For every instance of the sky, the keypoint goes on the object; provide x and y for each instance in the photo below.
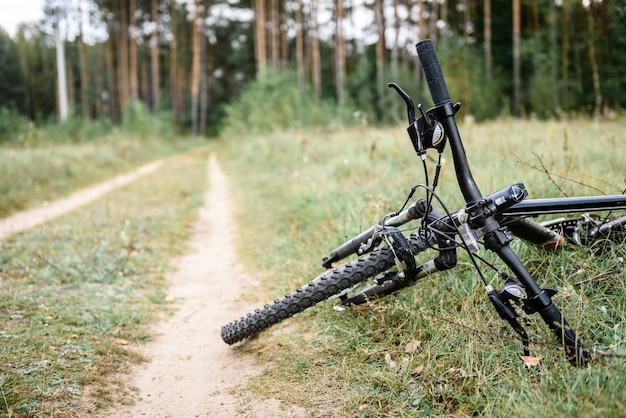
(14, 12)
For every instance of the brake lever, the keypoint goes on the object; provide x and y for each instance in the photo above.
(410, 108)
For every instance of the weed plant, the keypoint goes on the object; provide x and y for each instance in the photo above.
(438, 348)
(80, 291)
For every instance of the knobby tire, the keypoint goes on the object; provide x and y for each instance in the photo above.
(326, 285)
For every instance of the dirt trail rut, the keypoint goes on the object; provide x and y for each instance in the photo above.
(191, 372)
(24, 220)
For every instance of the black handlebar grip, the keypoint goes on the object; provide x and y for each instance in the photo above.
(432, 71)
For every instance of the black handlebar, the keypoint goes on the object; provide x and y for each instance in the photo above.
(432, 71)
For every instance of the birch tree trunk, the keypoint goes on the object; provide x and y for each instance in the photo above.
(61, 77)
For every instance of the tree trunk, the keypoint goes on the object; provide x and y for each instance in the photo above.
(195, 69)
(316, 67)
(259, 44)
(565, 46)
(517, 80)
(99, 84)
(84, 77)
(113, 85)
(434, 18)
(204, 85)
(421, 35)
(595, 72)
(154, 56)
(394, 56)
(340, 51)
(174, 69)
(132, 42)
(61, 77)
(300, 47)
(122, 55)
(554, 65)
(487, 35)
(274, 34)
(441, 12)
(380, 56)
(284, 38)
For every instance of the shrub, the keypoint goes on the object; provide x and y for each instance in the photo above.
(273, 101)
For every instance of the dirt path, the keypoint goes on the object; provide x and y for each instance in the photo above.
(24, 220)
(191, 372)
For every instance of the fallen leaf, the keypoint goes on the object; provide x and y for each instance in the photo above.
(531, 361)
(417, 371)
(412, 346)
(457, 372)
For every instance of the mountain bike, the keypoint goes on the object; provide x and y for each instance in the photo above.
(388, 251)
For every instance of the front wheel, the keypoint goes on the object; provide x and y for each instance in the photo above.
(328, 284)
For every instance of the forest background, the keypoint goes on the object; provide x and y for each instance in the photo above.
(309, 61)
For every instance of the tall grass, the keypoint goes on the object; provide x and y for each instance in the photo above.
(302, 192)
(47, 162)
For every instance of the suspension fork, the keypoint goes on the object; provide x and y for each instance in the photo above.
(538, 300)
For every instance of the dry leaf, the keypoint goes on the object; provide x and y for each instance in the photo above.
(417, 371)
(121, 341)
(457, 372)
(531, 361)
(412, 346)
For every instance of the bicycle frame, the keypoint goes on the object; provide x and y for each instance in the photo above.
(551, 206)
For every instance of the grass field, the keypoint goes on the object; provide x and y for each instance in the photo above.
(32, 175)
(438, 348)
(77, 290)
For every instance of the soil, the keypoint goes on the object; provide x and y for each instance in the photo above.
(189, 371)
